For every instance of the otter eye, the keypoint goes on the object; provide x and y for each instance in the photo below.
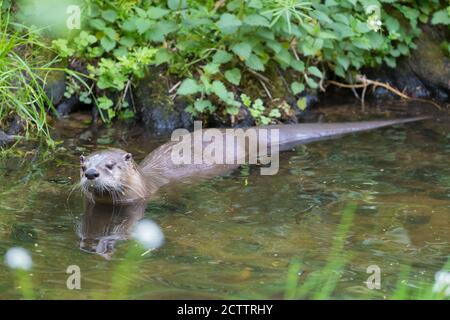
(110, 165)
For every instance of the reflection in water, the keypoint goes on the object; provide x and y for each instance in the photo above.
(104, 224)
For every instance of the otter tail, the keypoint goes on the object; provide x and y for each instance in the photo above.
(290, 135)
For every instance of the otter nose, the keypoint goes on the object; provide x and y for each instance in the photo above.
(91, 174)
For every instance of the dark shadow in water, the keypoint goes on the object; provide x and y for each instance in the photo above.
(104, 224)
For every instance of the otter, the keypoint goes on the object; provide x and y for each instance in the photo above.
(112, 176)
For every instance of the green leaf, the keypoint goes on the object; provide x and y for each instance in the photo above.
(390, 62)
(311, 83)
(162, 56)
(297, 87)
(242, 49)
(221, 57)
(156, 13)
(233, 76)
(298, 65)
(142, 25)
(109, 15)
(110, 32)
(107, 43)
(211, 68)
(315, 71)
(104, 103)
(177, 4)
(228, 23)
(98, 24)
(256, 20)
(274, 113)
(129, 25)
(188, 87)
(127, 42)
(202, 105)
(344, 61)
(441, 16)
(219, 89)
(253, 62)
(301, 103)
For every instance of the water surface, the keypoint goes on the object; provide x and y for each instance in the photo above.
(235, 236)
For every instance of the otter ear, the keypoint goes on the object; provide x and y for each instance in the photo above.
(127, 157)
(82, 158)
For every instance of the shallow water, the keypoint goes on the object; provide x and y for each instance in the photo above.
(235, 236)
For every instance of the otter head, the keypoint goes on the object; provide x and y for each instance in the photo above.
(111, 176)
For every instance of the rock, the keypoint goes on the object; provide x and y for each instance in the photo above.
(67, 106)
(55, 86)
(424, 74)
(159, 113)
(429, 62)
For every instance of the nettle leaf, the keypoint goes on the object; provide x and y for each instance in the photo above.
(211, 68)
(129, 25)
(120, 52)
(162, 56)
(362, 43)
(311, 46)
(177, 4)
(390, 62)
(127, 42)
(344, 61)
(274, 45)
(107, 43)
(156, 13)
(392, 24)
(202, 105)
(322, 17)
(256, 4)
(243, 50)
(228, 23)
(110, 32)
(233, 76)
(109, 15)
(298, 65)
(311, 83)
(297, 87)
(256, 20)
(441, 16)
(221, 57)
(219, 89)
(188, 87)
(253, 62)
(284, 57)
(142, 25)
(98, 24)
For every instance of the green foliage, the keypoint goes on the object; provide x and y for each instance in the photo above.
(212, 45)
(22, 81)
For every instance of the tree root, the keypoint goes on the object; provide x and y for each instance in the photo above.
(364, 83)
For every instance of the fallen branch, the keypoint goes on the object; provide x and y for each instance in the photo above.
(364, 83)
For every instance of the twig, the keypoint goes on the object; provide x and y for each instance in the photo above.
(260, 76)
(265, 88)
(367, 82)
(174, 87)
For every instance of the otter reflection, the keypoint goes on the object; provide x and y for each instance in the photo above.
(103, 224)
